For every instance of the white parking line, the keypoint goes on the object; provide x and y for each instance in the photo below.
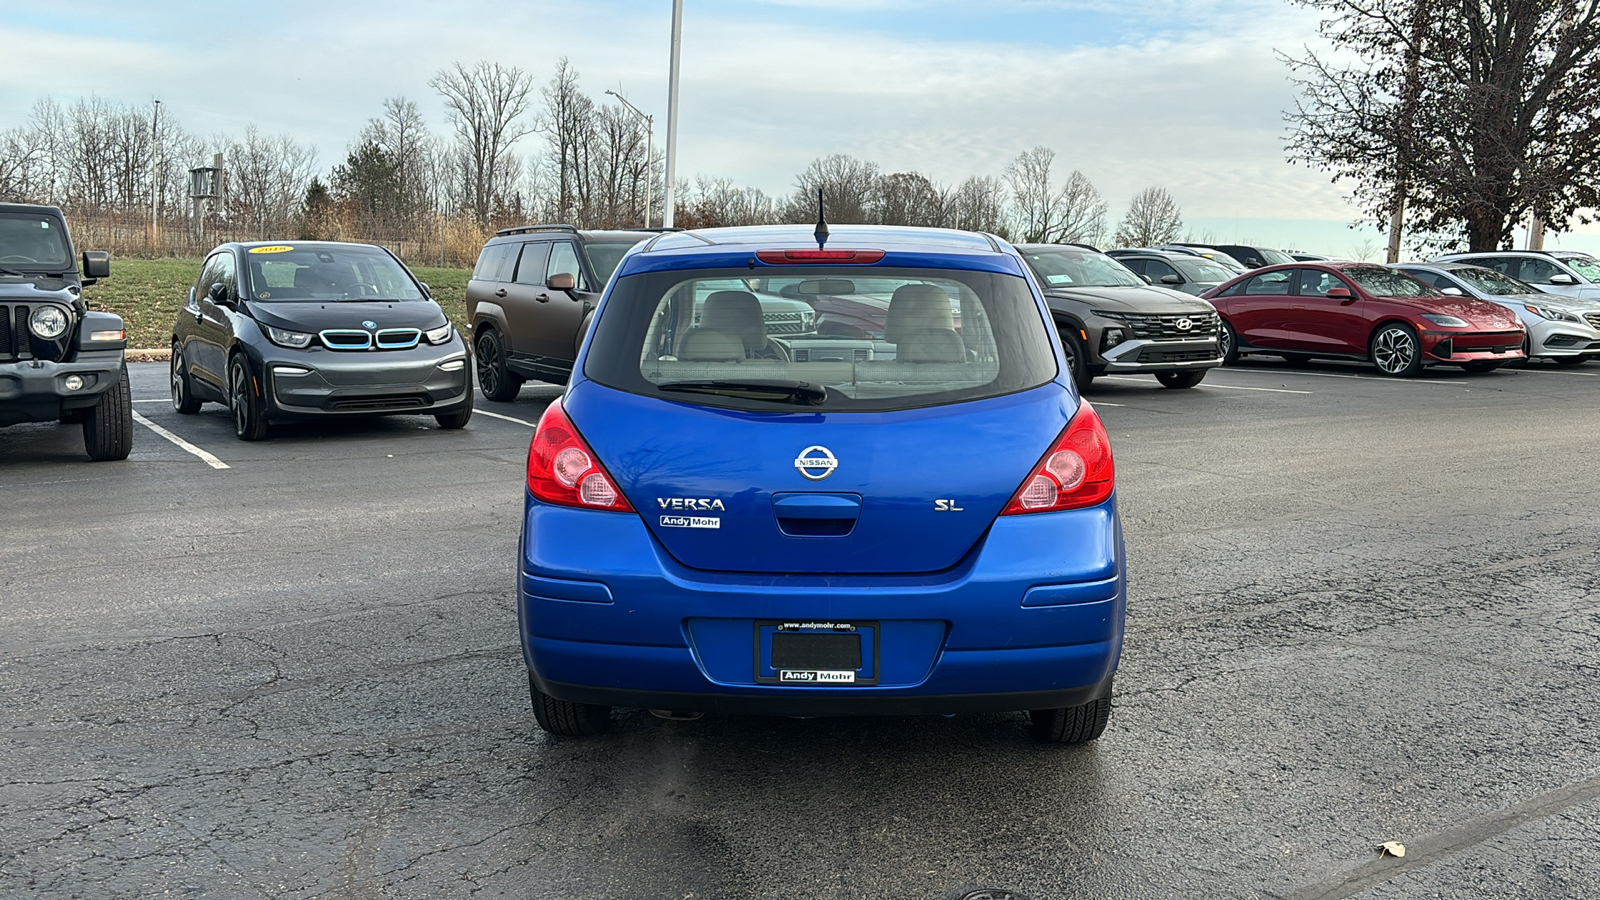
(1537, 372)
(209, 460)
(1226, 387)
(1240, 387)
(485, 412)
(1279, 373)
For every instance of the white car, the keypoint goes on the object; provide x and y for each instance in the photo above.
(1562, 329)
(1570, 273)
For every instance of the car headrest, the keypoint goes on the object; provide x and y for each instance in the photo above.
(917, 308)
(738, 312)
(708, 345)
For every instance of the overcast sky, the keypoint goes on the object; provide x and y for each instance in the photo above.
(1185, 94)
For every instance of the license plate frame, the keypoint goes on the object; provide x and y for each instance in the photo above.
(824, 642)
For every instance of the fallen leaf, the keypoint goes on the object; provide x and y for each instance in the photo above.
(1391, 848)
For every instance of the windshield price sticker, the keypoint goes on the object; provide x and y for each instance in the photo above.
(274, 249)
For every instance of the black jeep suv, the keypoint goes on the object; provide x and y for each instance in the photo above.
(1112, 322)
(530, 298)
(58, 360)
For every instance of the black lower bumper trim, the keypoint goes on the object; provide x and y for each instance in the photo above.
(790, 702)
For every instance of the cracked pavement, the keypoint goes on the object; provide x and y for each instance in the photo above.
(1366, 613)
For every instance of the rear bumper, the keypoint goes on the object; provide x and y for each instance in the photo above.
(607, 616)
(35, 390)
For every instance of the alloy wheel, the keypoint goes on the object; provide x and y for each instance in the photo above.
(488, 364)
(1394, 351)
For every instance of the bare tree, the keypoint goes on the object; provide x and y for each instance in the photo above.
(1074, 213)
(485, 104)
(978, 204)
(567, 123)
(909, 198)
(716, 202)
(1471, 112)
(267, 180)
(848, 185)
(1153, 218)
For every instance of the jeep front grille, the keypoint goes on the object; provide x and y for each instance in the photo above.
(18, 342)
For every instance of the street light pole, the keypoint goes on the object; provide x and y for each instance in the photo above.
(649, 148)
(672, 112)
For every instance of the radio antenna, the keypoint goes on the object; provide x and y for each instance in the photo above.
(822, 222)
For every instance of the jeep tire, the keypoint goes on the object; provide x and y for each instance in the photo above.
(108, 426)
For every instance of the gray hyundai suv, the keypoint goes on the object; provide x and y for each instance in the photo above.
(1112, 322)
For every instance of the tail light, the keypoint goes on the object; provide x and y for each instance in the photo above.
(839, 257)
(1077, 472)
(564, 471)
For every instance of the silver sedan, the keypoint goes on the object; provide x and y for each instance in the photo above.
(1565, 330)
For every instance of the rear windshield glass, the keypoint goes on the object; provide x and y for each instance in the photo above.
(1275, 258)
(1064, 268)
(1381, 282)
(821, 339)
(350, 272)
(603, 259)
(33, 242)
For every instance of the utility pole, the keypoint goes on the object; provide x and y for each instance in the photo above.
(649, 148)
(1408, 112)
(155, 153)
(672, 111)
(1536, 232)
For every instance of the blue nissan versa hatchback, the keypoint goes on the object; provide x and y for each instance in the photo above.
(914, 521)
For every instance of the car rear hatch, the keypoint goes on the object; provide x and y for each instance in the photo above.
(746, 451)
(906, 491)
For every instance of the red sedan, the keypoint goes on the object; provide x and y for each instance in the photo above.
(1362, 311)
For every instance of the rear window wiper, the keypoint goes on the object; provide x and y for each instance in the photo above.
(802, 392)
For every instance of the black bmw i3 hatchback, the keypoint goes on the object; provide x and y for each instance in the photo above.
(303, 329)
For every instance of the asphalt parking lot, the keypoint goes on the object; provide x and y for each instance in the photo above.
(1362, 609)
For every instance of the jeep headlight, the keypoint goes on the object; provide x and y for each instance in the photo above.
(440, 335)
(48, 322)
(283, 337)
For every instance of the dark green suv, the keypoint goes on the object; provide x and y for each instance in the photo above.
(59, 362)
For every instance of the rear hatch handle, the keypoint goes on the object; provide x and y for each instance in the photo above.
(805, 514)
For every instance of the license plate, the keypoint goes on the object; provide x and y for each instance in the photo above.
(820, 653)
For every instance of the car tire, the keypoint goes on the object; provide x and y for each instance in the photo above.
(249, 419)
(1228, 339)
(1181, 380)
(565, 718)
(1077, 361)
(497, 382)
(1395, 351)
(1569, 360)
(1074, 724)
(1479, 367)
(108, 426)
(459, 418)
(183, 399)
